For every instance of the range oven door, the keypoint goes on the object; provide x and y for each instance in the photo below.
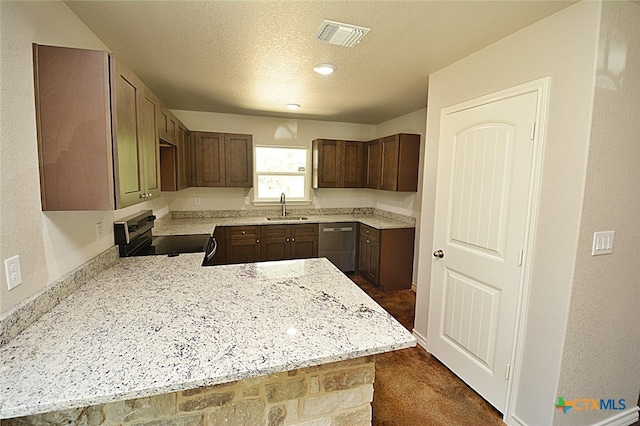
(210, 252)
(176, 244)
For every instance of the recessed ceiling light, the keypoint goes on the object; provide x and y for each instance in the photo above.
(324, 69)
(293, 107)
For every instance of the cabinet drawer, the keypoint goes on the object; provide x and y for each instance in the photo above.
(240, 232)
(306, 230)
(274, 231)
(370, 233)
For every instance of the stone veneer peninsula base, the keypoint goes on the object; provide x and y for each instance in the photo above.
(162, 340)
(338, 393)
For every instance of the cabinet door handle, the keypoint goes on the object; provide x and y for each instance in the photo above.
(243, 232)
(293, 240)
(257, 241)
(287, 240)
(368, 241)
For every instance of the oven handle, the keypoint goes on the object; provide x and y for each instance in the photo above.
(212, 252)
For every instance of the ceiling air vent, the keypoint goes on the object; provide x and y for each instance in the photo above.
(341, 34)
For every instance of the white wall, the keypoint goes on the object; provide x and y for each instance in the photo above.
(49, 244)
(601, 358)
(563, 47)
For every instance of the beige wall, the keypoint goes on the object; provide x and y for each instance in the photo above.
(49, 244)
(563, 47)
(601, 357)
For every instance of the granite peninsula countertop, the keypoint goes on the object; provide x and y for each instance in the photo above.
(206, 225)
(157, 324)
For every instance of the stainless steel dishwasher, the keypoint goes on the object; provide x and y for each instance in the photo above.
(337, 242)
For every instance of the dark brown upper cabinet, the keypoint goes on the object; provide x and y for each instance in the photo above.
(176, 148)
(183, 160)
(223, 159)
(374, 164)
(97, 131)
(338, 163)
(167, 125)
(238, 159)
(392, 163)
(209, 149)
(137, 159)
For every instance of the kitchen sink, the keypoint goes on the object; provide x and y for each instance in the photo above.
(292, 218)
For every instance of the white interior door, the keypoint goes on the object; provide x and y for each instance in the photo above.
(482, 198)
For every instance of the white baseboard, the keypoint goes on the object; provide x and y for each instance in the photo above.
(515, 421)
(625, 418)
(422, 341)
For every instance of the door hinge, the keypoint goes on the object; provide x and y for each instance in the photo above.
(520, 257)
(506, 377)
(533, 130)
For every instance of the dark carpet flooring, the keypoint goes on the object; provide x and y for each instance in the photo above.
(412, 387)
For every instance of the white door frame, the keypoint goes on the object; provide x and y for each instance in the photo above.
(541, 87)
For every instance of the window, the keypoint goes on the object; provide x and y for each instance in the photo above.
(281, 169)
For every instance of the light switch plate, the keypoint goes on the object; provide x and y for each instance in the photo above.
(602, 242)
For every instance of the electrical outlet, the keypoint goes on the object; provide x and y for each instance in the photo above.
(99, 230)
(196, 201)
(245, 201)
(365, 199)
(12, 270)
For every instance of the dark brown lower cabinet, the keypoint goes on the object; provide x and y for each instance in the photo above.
(242, 244)
(274, 244)
(246, 244)
(385, 257)
(282, 242)
(369, 258)
(304, 241)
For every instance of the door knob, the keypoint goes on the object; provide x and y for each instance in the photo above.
(438, 253)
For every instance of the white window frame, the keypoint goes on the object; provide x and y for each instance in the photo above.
(306, 200)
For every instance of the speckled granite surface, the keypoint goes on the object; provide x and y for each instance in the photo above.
(151, 325)
(204, 222)
(17, 319)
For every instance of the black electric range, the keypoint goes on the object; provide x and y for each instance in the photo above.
(134, 237)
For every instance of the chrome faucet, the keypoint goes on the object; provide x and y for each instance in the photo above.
(283, 202)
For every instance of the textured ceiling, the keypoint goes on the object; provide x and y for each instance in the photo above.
(253, 57)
